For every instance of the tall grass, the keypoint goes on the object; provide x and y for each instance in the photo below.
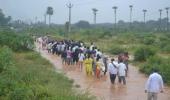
(34, 78)
(17, 42)
(162, 64)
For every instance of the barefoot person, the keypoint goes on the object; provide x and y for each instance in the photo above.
(104, 58)
(88, 65)
(112, 68)
(81, 59)
(125, 60)
(98, 68)
(122, 72)
(154, 85)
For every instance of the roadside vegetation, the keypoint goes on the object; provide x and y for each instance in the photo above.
(25, 75)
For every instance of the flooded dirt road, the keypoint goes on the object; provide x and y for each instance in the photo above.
(102, 88)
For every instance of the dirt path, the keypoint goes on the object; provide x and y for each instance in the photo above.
(102, 89)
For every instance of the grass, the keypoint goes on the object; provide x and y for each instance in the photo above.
(36, 79)
(25, 75)
(44, 75)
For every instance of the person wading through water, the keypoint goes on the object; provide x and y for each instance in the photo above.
(112, 68)
(122, 72)
(104, 58)
(88, 65)
(154, 85)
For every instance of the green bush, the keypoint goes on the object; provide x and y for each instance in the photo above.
(151, 62)
(144, 52)
(116, 50)
(162, 64)
(149, 41)
(34, 78)
(17, 42)
(5, 58)
(166, 49)
(21, 93)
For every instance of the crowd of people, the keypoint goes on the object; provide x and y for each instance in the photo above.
(90, 57)
(76, 53)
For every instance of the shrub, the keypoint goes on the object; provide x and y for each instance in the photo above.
(151, 62)
(148, 41)
(142, 53)
(116, 50)
(21, 93)
(5, 58)
(36, 80)
(162, 64)
(17, 42)
(166, 49)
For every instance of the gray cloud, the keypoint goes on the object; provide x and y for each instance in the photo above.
(29, 9)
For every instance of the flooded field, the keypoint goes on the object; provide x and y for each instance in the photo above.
(102, 88)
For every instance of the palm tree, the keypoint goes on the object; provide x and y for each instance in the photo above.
(130, 6)
(115, 8)
(167, 9)
(95, 13)
(50, 13)
(144, 12)
(160, 11)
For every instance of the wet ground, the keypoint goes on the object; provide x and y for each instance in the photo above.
(102, 88)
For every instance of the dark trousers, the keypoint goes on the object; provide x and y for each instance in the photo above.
(112, 78)
(105, 69)
(122, 78)
(105, 65)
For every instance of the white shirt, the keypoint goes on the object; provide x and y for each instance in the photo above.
(101, 65)
(115, 63)
(82, 48)
(81, 44)
(122, 69)
(91, 47)
(59, 47)
(81, 57)
(74, 48)
(62, 47)
(154, 83)
(49, 46)
(112, 69)
(99, 53)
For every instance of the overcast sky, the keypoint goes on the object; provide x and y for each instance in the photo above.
(28, 10)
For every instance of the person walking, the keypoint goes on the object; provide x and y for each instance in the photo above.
(112, 68)
(88, 65)
(64, 57)
(81, 59)
(94, 66)
(105, 59)
(98, 68)
(69, 56)
(122, 72)
(125, 61)
(154, 85)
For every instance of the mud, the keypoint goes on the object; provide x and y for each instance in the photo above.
(102, 88)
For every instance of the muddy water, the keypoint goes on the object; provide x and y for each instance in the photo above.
(102, 88)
